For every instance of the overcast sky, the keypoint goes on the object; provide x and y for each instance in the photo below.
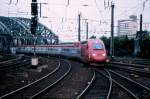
(61, 16)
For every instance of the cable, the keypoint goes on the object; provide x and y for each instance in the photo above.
(144, 4)
(10, 1)
(98, 9)
(135, 7)
(130, 9)
(16, 2)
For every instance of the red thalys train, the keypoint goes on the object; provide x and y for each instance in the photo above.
(91, 51)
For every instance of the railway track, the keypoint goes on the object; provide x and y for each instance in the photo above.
(4, 58)
(123, 87)
(96, 88)
(140, 69)
(134, 77)
(118, 91)
(133, 60)
(131, 65)
(136, 90)
(141, 61)
(14, 63)
(138, 78)
(72, 85)
(39, 87)
(7, 59)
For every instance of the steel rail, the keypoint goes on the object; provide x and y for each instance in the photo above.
(137, 70)
(110, 87)
(145, 87)
(48, 87)
(14, 59)
(26, 86)
(87, 87)
(133, 59)
(121, 86)
(14, 64)
(133, 65)
(110, 81)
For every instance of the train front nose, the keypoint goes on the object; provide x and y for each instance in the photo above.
(101, 57)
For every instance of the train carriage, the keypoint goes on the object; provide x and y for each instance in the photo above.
(91, 51)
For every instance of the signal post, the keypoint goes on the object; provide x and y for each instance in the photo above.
(34, 20)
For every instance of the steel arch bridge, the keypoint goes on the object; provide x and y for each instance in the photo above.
(19, 30)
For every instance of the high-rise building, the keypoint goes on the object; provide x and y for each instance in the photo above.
(128, 27)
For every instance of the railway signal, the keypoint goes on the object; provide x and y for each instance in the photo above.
(34, 16)
(34, 19)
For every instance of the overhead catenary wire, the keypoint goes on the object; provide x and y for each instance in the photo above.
(100, 12)
(129, 10)
(140, 7)
(11, 2)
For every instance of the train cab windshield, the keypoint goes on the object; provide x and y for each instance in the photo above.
(97, 46)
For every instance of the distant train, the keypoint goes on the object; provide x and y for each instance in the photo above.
(70, 50)
(91, 51)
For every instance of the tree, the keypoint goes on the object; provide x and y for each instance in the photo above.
(93, 37)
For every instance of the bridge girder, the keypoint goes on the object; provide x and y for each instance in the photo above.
(19, 29)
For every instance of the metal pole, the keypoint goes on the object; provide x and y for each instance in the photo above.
(141, 33)
(68, 2)
(112, 32)
(87, 30)
(141, 21)
(40, 10)
(34, 45)
(34, 19)
(34, 16)
(79, 16)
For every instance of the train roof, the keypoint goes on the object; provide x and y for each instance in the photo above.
(92, 40)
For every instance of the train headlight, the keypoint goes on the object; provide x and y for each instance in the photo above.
(104, 54)
(94, 54)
